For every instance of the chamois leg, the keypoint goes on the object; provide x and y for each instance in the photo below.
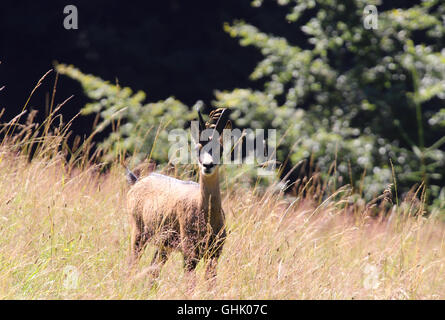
(214, 253)
(211, 264)
(190, 263)
(191, 254)
(138, 239)
(158, 261)
(211, 268)
(160, 256)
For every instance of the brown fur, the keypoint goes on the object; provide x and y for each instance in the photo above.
(177, 215)
(181, 215)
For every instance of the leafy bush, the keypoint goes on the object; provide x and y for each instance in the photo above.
(351, 95)
(138, 127)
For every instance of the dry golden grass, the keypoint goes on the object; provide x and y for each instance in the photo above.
(64, 234)
(55, 218)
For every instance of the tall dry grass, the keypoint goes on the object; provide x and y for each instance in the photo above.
(64, 235)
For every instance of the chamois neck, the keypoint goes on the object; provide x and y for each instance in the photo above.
(211, 198)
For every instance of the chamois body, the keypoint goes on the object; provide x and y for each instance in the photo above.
(177, 215)
(182, 215)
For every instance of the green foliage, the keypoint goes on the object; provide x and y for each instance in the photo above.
(345, 95)
(351, 95)
(138, 127)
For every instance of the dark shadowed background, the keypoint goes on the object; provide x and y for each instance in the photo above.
(166, 48)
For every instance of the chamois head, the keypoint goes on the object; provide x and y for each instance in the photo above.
(209, 146)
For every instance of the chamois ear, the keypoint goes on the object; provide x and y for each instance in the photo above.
(131, 177)
(202, 124)
(196, 136)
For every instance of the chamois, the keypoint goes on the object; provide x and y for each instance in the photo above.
(181, 215)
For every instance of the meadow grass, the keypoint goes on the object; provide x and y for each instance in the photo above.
(64, 234)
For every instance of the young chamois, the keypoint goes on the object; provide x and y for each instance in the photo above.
(182, 215)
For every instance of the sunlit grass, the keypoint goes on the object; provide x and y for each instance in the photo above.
(54, 217)
(64, 234)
